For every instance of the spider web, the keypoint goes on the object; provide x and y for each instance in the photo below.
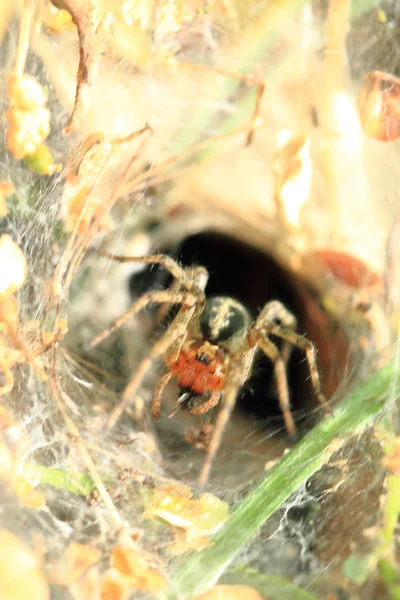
(309, 538)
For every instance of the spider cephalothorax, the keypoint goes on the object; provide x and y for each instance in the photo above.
(199, 367)
(210, 348)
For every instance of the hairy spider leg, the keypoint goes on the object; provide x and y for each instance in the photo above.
(202, 409)
(257, 337)
(152, 297)
(169, 345)
(274, 311)
(238, 372)
(311, 354)
(157, 398)
(176, 333)
(272, 352)
(194, 279)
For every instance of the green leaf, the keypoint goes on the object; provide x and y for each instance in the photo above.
(80, 485)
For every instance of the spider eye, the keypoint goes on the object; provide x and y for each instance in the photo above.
(223, 318)
(203, 358)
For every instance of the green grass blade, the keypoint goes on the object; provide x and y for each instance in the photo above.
(358, 410)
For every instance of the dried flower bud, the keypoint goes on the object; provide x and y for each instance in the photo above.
(29, 123)
(12, 266)
(25, 93)
(26, 130)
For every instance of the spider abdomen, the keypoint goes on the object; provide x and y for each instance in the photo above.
(199, 367)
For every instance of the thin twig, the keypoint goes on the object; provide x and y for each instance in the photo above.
(82, 14)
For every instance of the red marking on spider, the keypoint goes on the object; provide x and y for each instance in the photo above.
(200, 367)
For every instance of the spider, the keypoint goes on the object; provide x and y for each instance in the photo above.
(209, 348)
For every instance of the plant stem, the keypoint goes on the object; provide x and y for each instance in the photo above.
(357, 411)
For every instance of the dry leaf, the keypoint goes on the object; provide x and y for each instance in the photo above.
(113, 587)
(80, 557)
(87, 587)
(135, 570)
(27, 495)
(21, 576)
(198, 519)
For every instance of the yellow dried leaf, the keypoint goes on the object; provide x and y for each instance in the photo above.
(27, 495)
(230, 592)
(9, 313)
(8, 356)
(135, 570)
(20, 573)
(197, 517)
(80, 558)
(183, 543)
(12, 266)
(112, 587)
(87, 587)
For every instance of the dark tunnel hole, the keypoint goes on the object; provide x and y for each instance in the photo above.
(253, 278)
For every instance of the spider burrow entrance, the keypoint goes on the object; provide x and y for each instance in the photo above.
(210, 349)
